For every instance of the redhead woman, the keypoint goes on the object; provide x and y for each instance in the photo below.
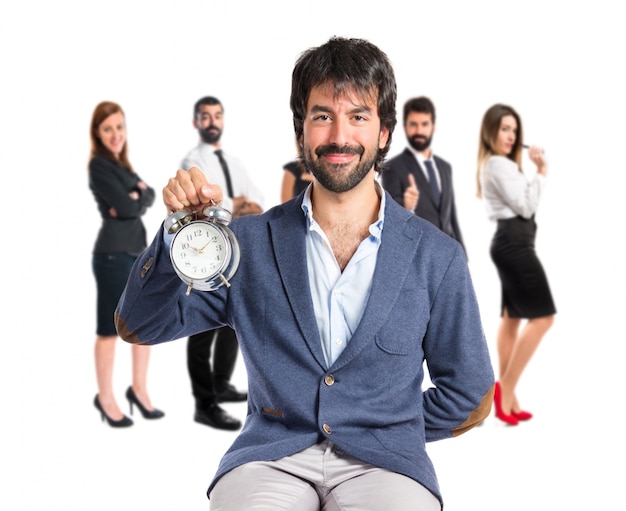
(122, 198)
(511, 199)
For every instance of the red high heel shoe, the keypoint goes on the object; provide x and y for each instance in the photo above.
(497, 401)
(522, 415)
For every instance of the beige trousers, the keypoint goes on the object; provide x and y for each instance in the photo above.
(320, 478)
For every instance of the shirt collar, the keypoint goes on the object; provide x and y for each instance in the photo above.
(421, 159)
(376, 228)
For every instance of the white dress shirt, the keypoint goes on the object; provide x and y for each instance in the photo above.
(507, 192)
(203, 156)
(339, 298)
(420, 159)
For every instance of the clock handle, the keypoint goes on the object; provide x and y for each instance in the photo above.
(176, 220)
(218, 214)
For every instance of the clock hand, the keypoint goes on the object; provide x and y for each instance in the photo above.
(205, 246)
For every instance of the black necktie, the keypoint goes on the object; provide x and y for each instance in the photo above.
(432, 181)
(224, 165)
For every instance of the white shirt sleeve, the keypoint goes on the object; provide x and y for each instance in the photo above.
(204, 157)
(243, 185)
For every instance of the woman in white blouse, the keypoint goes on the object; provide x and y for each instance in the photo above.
(511, 199)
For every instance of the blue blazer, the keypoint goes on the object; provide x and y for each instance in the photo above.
(395, 179)
(370, 402)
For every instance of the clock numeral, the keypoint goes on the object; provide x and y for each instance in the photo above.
(196, 233)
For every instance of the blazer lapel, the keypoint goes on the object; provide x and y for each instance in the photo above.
(290, 254)
(420, 178)
(392, 265)
(446, 182)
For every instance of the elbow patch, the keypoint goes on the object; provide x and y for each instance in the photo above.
(124, 332)
(478, 415)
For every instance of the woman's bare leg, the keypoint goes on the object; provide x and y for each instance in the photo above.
(516, 355)
(141, 357)
(105, 356)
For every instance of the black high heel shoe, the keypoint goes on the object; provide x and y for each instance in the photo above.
(147, 414)
(124, 422)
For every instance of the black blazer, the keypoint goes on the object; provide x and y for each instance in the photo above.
(395, 180)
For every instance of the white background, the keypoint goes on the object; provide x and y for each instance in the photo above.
(560, 64)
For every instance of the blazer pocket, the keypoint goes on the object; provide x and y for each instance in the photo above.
(404, 330)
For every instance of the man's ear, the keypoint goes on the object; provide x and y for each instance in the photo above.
(383, 137)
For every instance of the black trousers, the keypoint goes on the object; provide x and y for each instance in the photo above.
(207, 379)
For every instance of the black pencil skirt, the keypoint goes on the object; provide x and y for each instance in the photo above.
(525, 289)
(111, 270)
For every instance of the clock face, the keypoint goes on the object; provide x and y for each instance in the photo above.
(200, 250)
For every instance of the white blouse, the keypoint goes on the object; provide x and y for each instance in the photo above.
(507, 192)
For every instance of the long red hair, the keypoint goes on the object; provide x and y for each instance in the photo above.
(101, 112)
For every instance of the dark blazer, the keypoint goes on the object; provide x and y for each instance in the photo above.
(395, 180)
(370, 402)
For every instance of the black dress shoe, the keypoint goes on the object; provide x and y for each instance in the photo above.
(230, 394)
(216, 417)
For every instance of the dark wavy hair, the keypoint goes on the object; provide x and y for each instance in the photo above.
(422, 105)
(206, 100)
(100, 113)
(349, 65)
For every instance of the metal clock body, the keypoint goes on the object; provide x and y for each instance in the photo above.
(204, 251)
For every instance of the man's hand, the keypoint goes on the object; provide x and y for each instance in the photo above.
(190, 189)
(411, 194)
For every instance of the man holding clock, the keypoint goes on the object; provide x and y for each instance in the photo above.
(340, 297)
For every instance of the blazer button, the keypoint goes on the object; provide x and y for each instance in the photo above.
(327, 429)
(329, 379)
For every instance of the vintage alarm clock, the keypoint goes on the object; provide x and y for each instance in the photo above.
(204, 251)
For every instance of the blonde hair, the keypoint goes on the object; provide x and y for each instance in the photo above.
(489, 135)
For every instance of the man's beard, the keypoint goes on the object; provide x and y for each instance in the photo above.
(338, 177)
(420, 143)
(211, 134)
